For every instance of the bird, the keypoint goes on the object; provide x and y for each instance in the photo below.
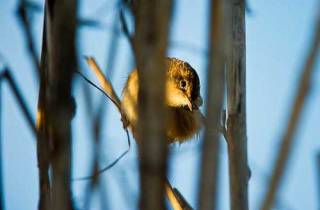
(182, 98)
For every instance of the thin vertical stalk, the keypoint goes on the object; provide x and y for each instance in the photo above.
(151, 37)
(42, 129)
(62, 65)
(218, 42)
(236, 121)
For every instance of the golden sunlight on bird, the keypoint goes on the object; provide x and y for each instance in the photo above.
(182, 99)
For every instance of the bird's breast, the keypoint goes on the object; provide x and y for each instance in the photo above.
(183, 124)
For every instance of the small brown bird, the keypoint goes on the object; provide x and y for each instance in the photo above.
(182, 98)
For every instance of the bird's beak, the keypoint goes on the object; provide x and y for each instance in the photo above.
(190, 106)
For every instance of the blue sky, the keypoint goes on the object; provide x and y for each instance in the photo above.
(278, 34)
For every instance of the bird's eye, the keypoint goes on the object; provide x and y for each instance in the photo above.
(183, 84)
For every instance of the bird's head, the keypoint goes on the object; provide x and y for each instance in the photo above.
(183, 85)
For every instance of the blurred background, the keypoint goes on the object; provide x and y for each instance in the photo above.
(278, 34)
